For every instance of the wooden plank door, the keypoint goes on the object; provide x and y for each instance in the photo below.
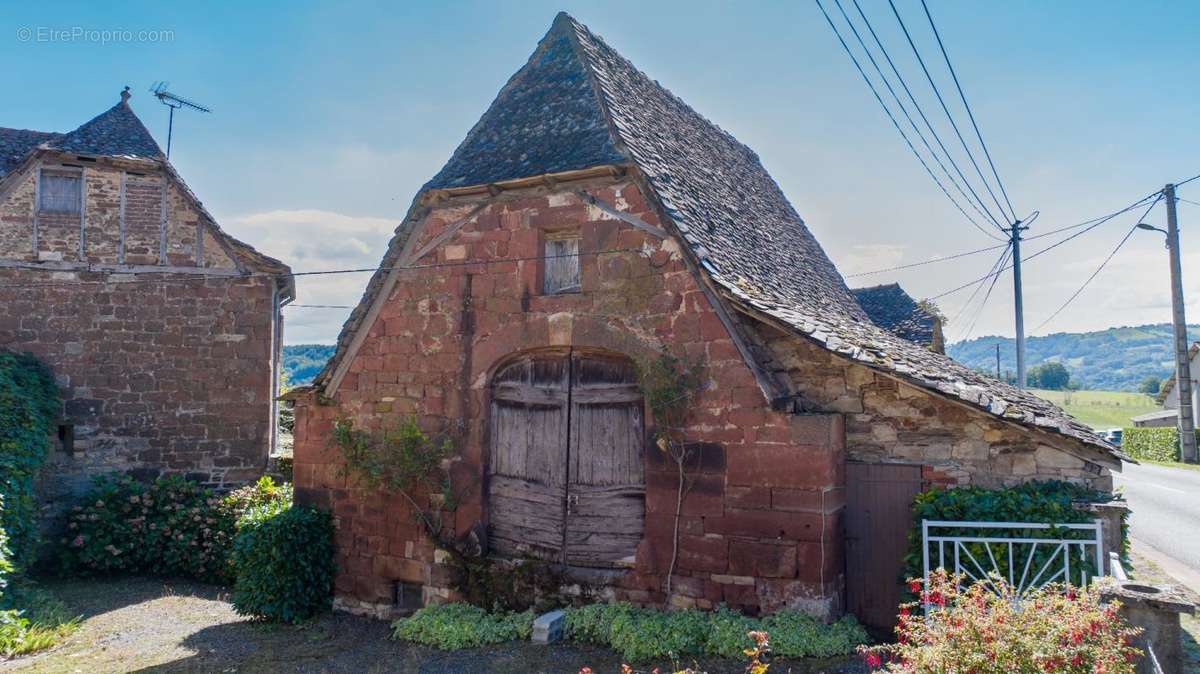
(606, 486)
(878, 519)
(528, 481)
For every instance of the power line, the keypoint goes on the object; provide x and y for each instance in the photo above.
(966, 105)
(979, 312)
(929, 261)
(1097, 220)
(993, 271)
(1101, 267)
(317, 306)
(945, 108)
(912, 99)
(1188, 201)
(324, 272)
(892, 117)
(1053, 246)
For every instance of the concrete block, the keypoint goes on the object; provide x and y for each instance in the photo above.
(549, 627)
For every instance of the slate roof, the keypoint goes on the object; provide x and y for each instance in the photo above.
(894, 310)
(15, 144)
(114, 132)
(719, 197)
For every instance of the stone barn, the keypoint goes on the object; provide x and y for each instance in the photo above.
(589, 222)
(162, 330)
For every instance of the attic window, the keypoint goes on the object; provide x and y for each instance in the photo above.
(60, 192)
(560, 273)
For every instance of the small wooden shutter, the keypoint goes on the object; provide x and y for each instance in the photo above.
(561, 266)
(606, 486)
(528, 462)
(60, 192)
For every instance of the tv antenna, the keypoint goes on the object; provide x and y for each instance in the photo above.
(174, 103)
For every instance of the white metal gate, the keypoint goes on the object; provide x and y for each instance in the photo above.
(1067, 553)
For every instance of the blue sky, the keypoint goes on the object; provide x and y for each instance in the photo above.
(328, 117)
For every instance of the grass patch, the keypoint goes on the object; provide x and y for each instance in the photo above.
(451, 627)
(41, 622)
(1100, 409)
(642, 634)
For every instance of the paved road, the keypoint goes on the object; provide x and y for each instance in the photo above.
(1166, 512)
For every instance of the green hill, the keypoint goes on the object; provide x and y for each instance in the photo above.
(1116, 359)
(302, 362)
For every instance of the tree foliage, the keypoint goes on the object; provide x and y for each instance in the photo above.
(1052, 375)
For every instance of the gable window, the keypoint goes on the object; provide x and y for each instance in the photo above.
(60, 192)
(560, 272)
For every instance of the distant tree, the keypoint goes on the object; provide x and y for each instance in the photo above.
(1150, 385)
(1052, 375)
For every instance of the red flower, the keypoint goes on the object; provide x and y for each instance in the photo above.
(914, 585)
(904, 611)
(873, 660)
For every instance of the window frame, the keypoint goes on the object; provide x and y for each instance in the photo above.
(550, 241)
(74, 174)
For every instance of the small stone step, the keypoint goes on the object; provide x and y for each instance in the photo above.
(548, 627)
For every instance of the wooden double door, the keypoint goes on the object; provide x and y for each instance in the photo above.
(566, 476)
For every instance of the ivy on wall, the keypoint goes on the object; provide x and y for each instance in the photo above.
(29, 410)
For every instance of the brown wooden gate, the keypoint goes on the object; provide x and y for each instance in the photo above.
(878, 518)
(566, 476)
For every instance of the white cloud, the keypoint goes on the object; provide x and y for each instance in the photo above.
(870, 257)
(315, 240)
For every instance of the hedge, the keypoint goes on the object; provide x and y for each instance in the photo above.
(1152, 444)
(29, 411)
(1048, 502)
(283, 556)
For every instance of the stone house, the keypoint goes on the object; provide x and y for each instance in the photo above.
(590, 221)
(162, 330)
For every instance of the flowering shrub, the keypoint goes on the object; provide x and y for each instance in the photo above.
(171, 526)
(283, 555)
(988, 628)
(454, 626)
(642, 634)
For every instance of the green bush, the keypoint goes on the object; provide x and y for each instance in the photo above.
(283, 556)
(641, 634)
(1152, 444)
(1049, 502)
(454, 626)
(171, 527)
(29, 410)
(6, 567)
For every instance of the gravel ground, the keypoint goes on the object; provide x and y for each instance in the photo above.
(152, 625)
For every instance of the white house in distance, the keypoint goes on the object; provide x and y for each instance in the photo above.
(1168, 396)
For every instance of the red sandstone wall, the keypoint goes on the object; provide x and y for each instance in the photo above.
(760, 526)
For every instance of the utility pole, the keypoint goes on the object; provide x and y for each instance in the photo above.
(1018, 302)
(1183, 369)
(998, 362)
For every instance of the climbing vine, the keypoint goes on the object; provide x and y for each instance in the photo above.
(402, 460)
(670, 385)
